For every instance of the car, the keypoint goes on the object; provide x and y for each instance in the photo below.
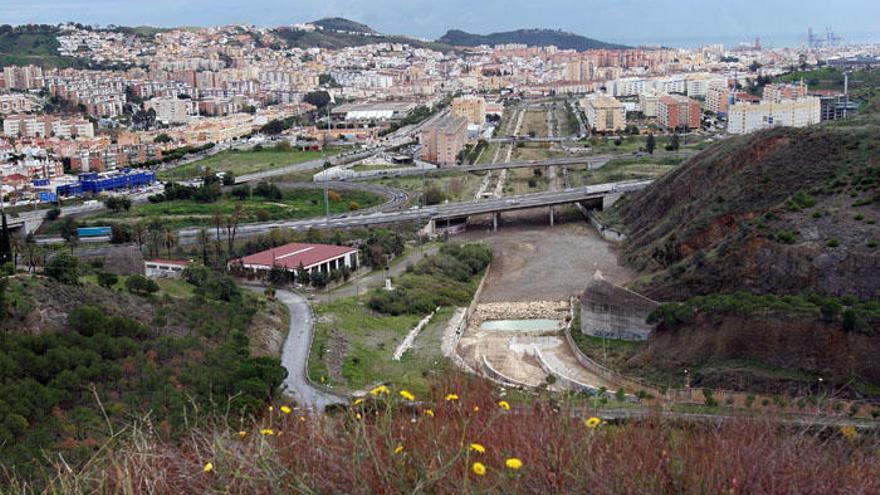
(513, 201)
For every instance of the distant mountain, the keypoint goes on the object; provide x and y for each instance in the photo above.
(341, 24)
(340, 33)
(530, 37)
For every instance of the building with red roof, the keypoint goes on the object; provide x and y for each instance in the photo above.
(314, 258)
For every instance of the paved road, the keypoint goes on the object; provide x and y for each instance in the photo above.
(295, 355)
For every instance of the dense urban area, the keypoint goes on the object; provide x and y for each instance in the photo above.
(317, 258)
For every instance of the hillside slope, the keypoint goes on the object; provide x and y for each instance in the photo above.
(784, 211)
(530, 37)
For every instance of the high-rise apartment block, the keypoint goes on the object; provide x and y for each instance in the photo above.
(444, 139)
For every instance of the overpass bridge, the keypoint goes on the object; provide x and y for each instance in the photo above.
(598, 195)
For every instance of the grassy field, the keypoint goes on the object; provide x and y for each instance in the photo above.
(456, 186)
(518, 181)
(535, 121)
(245, 162)
(536, 151)
(647, 167)
(296, 204)
(371, 168)
(363, 341)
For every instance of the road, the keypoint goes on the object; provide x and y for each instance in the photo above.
(439, 212)
(295, 355)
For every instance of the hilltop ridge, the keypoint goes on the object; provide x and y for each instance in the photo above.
(531, 37)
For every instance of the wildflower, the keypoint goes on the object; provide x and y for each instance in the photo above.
(286, 410)
(322, 378)
(479, 468)
(849, 432)
(358, 416)
(242, 434)
(504, 405)
(271, 408)
(592, 422)
(513, 463)
(267, 432)
(407, 395)
(476, 408)
(358, 402)
(302, 418)
(478, 448)
(451, 397)
(380, 390)
(398, 449)
(208, 467)
(429, 413)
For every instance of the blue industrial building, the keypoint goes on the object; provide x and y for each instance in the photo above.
(92, 182)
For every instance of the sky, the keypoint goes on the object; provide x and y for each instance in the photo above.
(668, 22)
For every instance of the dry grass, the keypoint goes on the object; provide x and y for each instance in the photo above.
(353, 451)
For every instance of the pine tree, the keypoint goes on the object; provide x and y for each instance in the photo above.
(5, 245)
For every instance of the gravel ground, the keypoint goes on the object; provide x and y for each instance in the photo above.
(534, 262)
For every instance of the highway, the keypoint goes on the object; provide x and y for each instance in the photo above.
(447, 211)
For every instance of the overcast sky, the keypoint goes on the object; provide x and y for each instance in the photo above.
(633, 21)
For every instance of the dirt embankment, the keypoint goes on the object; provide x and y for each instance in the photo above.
(782, 211)
(772, 352)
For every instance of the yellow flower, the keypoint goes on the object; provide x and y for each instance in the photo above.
(451, 397)
(513, 463)
(407, 395)
(429, 413)
(849, 432)
(358, 402)
(380, 390)
(504, 405)
(242, 434)
(286, 410)
(302, 418)
(478, 448)
(476, 408)
(208, 467)
(479, 468)
(267, 432)
(592, 422)
(322, 379)
(358, 416)
(398, 449)
(271, 408)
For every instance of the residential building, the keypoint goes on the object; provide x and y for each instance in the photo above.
(28, 77)
(171, 109)
(648, 104)
(15, 103)
(32, 126)
(743, 118)
(676, 112)
(604, 114)
(444, 139)
(159, 268)
(473, 108)
(781, 92)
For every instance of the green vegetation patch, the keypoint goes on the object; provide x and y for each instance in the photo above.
(246, 162)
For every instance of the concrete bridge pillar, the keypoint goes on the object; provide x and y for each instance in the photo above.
(496, 217)
(551, 216)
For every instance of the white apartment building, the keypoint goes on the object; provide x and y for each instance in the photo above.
(629, 86)
(171, 109)
(743, 118)
(669, 85)
(698, 87)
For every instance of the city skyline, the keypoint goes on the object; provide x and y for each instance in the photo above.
(680, 23)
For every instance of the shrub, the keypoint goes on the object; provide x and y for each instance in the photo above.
(353, 206)
(53, 214)
(833, 243)
(64, 268)
(107, 279)
(139, 284)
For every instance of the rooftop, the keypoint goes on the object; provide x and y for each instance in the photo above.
(292, 255)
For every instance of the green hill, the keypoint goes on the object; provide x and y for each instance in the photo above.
(530, 37)
(341, 24)
(33, 44)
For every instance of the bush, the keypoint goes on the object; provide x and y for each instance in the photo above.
(64, 268)
(241, 192)
(268, 191)
(53, 214)
(139, 284)
(107, 279)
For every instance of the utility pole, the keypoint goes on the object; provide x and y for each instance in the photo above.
(324, 167)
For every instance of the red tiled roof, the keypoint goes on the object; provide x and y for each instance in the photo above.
(292, 255)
